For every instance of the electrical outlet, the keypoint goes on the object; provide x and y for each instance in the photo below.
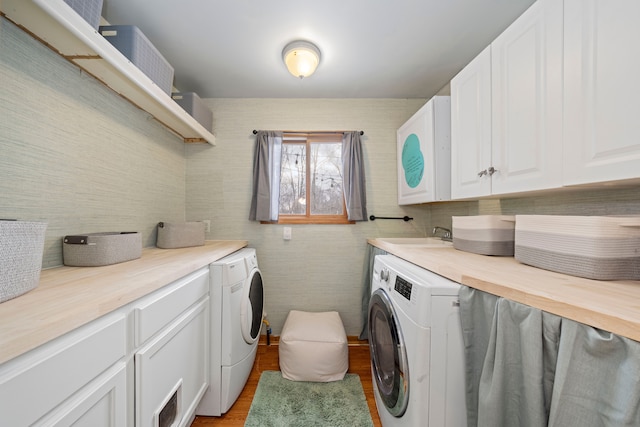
(287, 233)
(207, 226)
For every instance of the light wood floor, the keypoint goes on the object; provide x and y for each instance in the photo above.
(267, 360)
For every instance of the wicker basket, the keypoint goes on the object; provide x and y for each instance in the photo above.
(594, 247)
(21, 248)
(484, 234)
(172, 235)
(97, 249)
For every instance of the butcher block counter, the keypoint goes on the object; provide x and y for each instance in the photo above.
(69, 297)
(609, 305)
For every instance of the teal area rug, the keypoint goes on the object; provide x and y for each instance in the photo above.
(279, 402)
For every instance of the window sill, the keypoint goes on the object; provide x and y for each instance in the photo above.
(292, 219)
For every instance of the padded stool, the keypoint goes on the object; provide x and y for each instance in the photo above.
(313, 347)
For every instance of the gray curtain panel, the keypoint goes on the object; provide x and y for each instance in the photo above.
(517, 376)
(597, 381)
(477, 310)
(267, 157)
(369, 259)
(354, 185)
(526, 367)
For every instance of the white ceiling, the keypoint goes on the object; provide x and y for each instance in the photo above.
(370, 48)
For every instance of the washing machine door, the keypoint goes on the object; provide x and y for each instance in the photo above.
(389, 363)
(251, 307)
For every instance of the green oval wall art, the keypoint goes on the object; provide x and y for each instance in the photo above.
(412, 161)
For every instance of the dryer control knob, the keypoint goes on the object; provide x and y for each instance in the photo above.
(384, 275)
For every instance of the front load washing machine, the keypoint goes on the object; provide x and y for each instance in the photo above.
(236, 319)
(417, 352)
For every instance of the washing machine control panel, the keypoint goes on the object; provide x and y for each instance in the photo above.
(403, 287)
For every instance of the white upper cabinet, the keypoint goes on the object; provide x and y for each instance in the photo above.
(602, 91)
(507, 110)
(424, 154)
(471, 128)
(526, 88)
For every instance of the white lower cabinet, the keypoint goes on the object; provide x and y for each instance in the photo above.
(171, 355)
(77, 378)
(102, 403)
(172, 371)
(145, 364)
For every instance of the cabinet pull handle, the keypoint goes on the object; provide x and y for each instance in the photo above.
(492, 170)
(482, 173)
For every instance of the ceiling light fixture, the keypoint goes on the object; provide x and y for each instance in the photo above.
(301, 58)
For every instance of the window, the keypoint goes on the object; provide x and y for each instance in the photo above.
(311, 179)
(315, 191)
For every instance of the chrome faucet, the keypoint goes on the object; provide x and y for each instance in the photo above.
(446, 233)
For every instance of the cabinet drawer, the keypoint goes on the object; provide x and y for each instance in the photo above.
(160, 308)
(37, 382)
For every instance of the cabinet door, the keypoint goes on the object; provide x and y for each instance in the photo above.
(101, 403)
(41, 381)
(602, 91)
(526, 72)
(471, 128)
(172, 370)
(424, 154)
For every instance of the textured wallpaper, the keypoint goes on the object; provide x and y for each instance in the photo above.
(75, 154)
(320, 268)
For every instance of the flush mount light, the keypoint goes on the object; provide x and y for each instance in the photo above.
(301, 58)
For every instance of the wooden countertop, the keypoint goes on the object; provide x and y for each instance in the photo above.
(610, 305)
(69, 297)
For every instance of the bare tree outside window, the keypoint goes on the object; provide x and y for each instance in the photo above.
(326, 180)
(311, 179)
(293, 179)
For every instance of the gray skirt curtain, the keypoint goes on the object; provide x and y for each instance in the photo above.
(369, 258)
(526, 367)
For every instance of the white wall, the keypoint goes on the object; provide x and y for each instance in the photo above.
(321, 267)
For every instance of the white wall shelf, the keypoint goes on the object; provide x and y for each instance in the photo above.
(62, 29)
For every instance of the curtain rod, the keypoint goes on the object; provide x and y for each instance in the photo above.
(312, 131)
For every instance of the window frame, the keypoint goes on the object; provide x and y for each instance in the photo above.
(308, 218)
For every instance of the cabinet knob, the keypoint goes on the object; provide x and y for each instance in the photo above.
(482, 173)
(492, 170)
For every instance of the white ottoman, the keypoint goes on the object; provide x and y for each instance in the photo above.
(313, 347)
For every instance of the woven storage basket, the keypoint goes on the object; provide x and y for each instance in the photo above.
(484, 234)
(138, 49)
(594, 247)
(172, 235)
(97, 249)
(21, 247)
(192, 104)
(90, 10)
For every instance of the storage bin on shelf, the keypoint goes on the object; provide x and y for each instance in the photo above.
(89, 10)
(593, 247)
(484, 234)
(97, 249)
(192, 104)
(173, 235)
(21, 249)
(133, 44)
